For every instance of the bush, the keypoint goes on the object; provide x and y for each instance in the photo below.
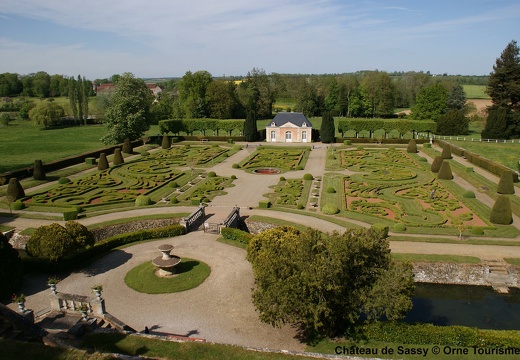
(381, 227)
(445, 171)
(127, 147)
(173, 184)
(501, 212)
(422, 159)
(143, 200)
(63, 180)
(195, 201)
(90, 161)
(81, 235)
(436, 164)
(399, 227)
(308, 177)
(330, 190)
(412, 147)
(174, 200)
(70, 215)
(446, 152)
(282, 178)
(505, 185)
(299, 167)
(233, 177)
(14, 190)
(118, 157)
(212, 174)
(453, 123)
(145, 153)
(166, 143)
(18, 205)
(300, 206)
(468, 194)
(38, 171)
(477, 230)
(264, 204)
(236, 235)
(102, 162)
(235, 166)
(330, 209)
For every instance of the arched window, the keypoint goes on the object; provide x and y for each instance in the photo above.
(304, 136)
(273, 135)
(288, 136)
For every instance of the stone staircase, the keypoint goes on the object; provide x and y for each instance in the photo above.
(498, 274)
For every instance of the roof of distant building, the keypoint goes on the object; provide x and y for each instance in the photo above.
(297, 119)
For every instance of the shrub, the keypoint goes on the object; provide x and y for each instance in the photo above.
(330, 190)
(118, 157)
(233, 177)
(453, 123)
(90, 161)
(412, 147)
(235, 166)
(505, 185)
(427, 145)
(381, 227)
(468, 194)
(399, 227)
(308, 177)
(195, 201)
(173, 184)
(18, 205)
(212, 174)
(145, 153)
(14, 190)
(143, 200)
(436, 164)
(264, 204)
(330, 209)
(445, 171)
(166, 143)
(127, 147)
(477, 230)
(236, 235)
(38, 171)
(102, 162)
(174, 200)
(282, 178)
(300, 206)
(446, 152)
(501, 212)
(81, 235)
(331, 157)
(63, 180)
(347, 142)
(70, 215)
(299, 167)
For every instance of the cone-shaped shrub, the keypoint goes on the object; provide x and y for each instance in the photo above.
(118, 157)
(127, 147)
(14, 190)
(501, 213)
(102, 162)
(445, 171)
(446, 152)
(436, 164)
(38, 172)
(412, 147)
(505, 185)
(166, 143)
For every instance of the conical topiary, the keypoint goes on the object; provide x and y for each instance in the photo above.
(501, 212)
(445, 171)
(166, 143)
(446, 152)
(505, 185)
(38, 172)
(436, 164)
(118, 157)
(412, 147)
(127, 147)
(14, 190)
(102, 162)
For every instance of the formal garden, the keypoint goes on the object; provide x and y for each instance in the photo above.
(282, 158)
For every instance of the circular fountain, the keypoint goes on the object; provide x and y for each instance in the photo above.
(166, 262)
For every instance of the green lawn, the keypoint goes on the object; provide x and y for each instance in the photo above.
(475, 92)
(506, 154)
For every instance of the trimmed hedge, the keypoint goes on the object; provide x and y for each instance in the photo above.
(18, 205)
(90, 161)
(501, 212)
(127, 147)
(399, 227)
(446, 152)
(412, 147)
(14, 190)
(63, 180)
(402, 126)
(38, 172)
(308, 177)
(477, 230)
(468, 194)
(70, 215)
(236, 235)
(264, 204)
(102, 162)
(330, 190)
(212, 174)
(381, 227)
(436, 164)
(505, 185)
(445, 171)
(118, 157)
(166, 143)
(330, 209)
(143, 200)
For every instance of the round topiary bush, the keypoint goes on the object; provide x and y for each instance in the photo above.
(399, 227)
(235, 166)
(143, 200)
(145, 153)
(300, 206)
(501, 212)
(102, 162)
(412, 147)
(212, 174)
(505, 185)
(38, 172)
(308, 177)
(14, 190)
(118, 157)
(174, 200)
(469, 194)
(445, 171)
(173, 184)
(233, 177)
(330, 190)
(63, 180)
(446, 152)
(477, 230)
(18, 205)
(330, 209)
(422, 159)
(282, 178)
(299, 167)
(436, 164)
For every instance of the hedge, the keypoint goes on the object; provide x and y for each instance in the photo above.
(436, 164)
(38, 171)
(445, 171)
(308, 177)
(188, 126)
(264, 204)
(330, 209)
(236, 235)
(412, 147)
(505, 185)
(501, 212)
(402, 126)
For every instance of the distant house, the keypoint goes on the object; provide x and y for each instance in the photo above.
(289, 127)
(154, 89)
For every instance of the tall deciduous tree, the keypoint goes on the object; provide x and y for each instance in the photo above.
(431, 103)
(129, 113)
(45, 112)
(380, 91)
(323, 283)
(327, 130)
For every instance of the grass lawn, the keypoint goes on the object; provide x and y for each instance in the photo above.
(436, 258)
(190, 273)
(475, 92)
(506, 154)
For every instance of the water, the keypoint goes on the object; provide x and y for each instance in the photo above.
(474, 306)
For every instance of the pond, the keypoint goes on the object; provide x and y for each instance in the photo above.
(474, 306)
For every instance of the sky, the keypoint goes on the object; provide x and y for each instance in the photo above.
(167, 38)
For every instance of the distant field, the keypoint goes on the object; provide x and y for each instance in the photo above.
(505, 154)
(475, 92)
